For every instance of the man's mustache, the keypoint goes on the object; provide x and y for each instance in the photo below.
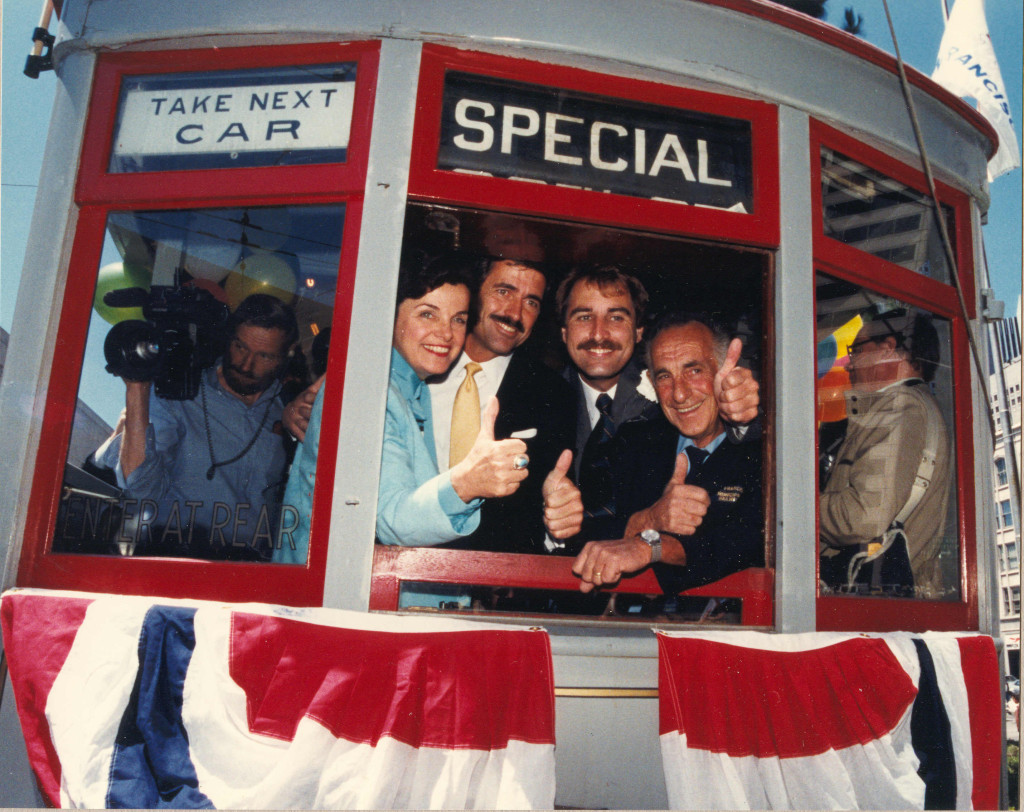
(510, 322)
(240, 373)
(598, 345)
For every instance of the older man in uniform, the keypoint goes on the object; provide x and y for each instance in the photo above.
(687, 498)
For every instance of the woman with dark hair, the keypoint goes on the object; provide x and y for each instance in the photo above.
(416, 505)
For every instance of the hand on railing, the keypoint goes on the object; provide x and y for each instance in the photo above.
(603, 563)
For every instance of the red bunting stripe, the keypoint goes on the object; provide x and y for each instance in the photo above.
(454, 689)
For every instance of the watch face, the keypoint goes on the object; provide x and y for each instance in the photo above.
(650, 535)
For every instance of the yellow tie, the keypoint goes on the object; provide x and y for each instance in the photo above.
(465, 417)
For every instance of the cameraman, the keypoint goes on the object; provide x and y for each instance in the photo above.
(202, 476)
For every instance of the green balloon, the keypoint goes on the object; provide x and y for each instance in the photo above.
(117, 276)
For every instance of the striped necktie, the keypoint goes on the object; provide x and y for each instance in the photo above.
(595, 467)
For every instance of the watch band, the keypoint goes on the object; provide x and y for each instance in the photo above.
(652, 538)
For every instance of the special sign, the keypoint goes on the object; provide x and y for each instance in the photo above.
(515, 130)
(186, 123)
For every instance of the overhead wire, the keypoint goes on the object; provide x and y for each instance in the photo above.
(948, 246)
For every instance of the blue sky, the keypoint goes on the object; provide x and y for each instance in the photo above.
(918, 23)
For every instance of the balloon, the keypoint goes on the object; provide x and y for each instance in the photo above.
(846, 335)
(261, 272)
(828, 350)
(117, 276)
(831, 395)
(833, 348)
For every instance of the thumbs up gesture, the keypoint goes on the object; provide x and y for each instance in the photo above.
(679, 511)
(679, 471)
(736, 391)
(563, 504)
(489, 469)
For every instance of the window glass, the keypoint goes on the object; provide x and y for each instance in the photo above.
(867, 210)
(1005, 514)
(1001, 478)
(230, 119)
(885, 418)
(1012, 555)
(218, 318)
(539, 345)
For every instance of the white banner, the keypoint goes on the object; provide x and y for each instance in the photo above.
(967, 66)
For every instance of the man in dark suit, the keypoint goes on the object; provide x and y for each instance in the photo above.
(686, 498)
(535, 403)
(601, 309)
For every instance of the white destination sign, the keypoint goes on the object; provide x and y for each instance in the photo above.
(256, 118)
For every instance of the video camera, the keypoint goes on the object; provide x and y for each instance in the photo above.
(182, 335)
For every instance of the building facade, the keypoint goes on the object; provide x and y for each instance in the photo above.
(1005, 394)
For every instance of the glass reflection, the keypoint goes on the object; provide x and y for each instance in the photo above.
(887, 507)
(213, 320)
(869, 211)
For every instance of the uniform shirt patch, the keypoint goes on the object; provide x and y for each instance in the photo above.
(730, 493)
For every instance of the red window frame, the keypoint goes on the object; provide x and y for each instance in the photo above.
(427, 182)
(97, 185)
(847, 613)
(99, 192)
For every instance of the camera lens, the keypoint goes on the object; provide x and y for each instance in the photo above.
(132, 351)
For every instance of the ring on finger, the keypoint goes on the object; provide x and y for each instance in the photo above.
(520, 461)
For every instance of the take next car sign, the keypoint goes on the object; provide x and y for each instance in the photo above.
(256, 118)
(528, 132)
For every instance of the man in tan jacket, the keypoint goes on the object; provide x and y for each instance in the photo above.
(896, 437)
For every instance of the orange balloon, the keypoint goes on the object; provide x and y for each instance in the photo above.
(831, 395)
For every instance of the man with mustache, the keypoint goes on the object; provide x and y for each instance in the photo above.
(883, 506)
(686, 499)
(532, 398)
(601, 310)
(201, 476)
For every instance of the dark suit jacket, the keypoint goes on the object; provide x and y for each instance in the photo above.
(531, 395)
(730, 538)
(627, 406)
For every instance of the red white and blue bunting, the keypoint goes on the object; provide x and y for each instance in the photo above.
(144, 702)
(134, 702)
(830, 721)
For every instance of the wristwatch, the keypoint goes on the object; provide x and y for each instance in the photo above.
(652, 538)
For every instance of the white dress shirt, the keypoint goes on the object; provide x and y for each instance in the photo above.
(442, 397)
